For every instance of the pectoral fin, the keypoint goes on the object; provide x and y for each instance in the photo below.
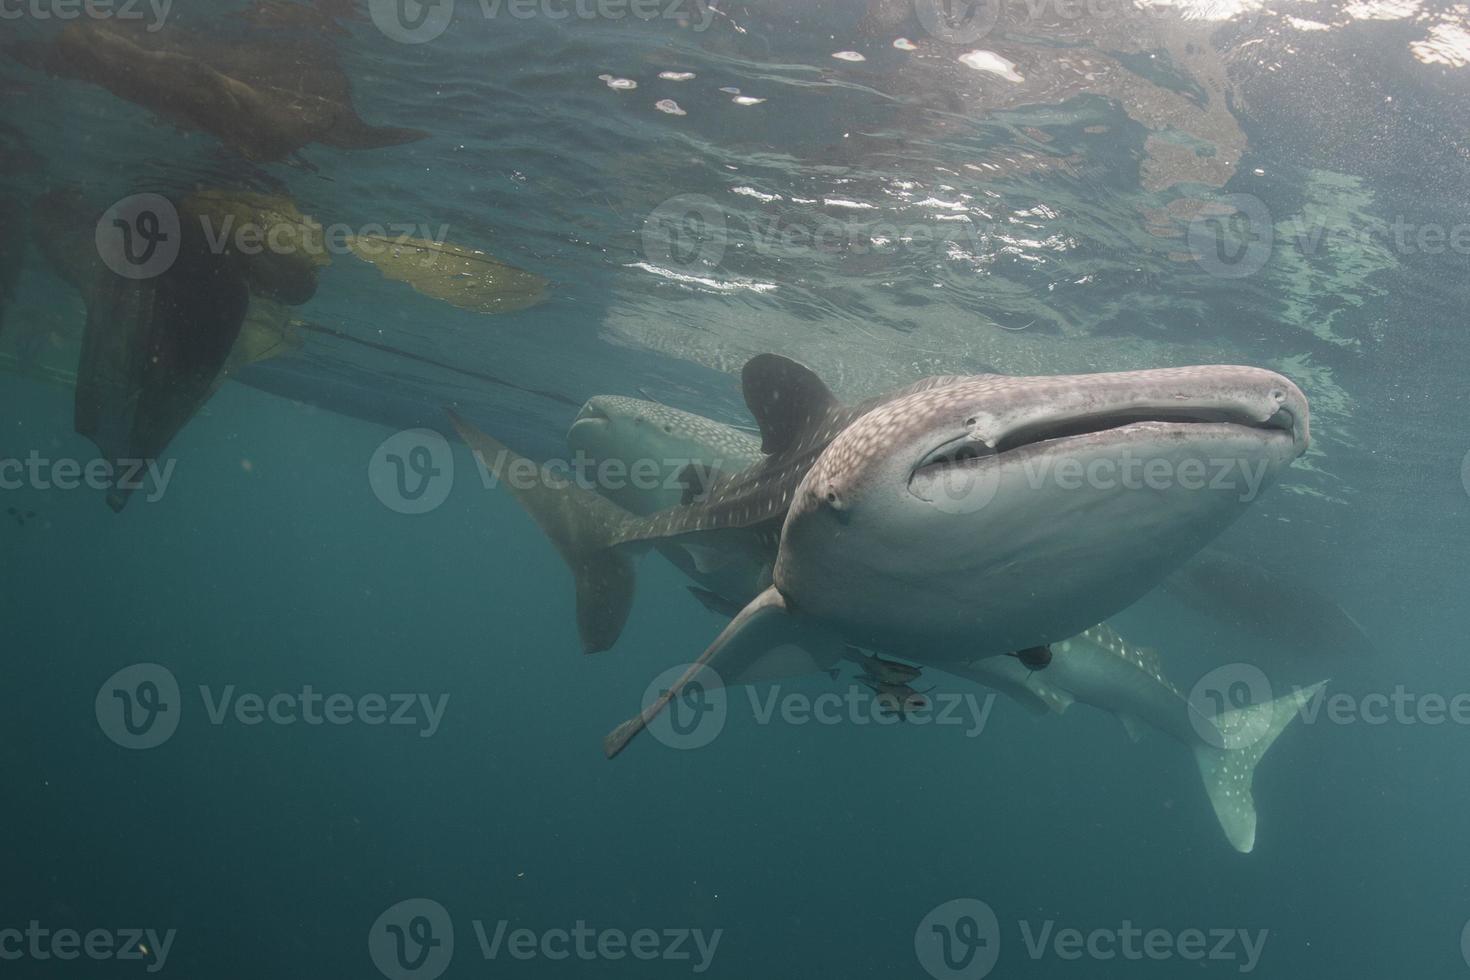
(765, 641)
(1133, 725)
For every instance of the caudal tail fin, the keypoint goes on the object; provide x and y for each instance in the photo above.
(1228, 763)
(581, 525)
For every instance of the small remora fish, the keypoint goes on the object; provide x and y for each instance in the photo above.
(881, 670)
(894, 699)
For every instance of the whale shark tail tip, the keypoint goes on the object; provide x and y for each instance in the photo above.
(1228, 772)
(583, 528)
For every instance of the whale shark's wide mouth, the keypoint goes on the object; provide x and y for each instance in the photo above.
(970, 450)
(590, 421)
(592, 412)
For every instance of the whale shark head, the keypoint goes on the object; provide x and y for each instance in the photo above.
(1009, 512)
(665, 440)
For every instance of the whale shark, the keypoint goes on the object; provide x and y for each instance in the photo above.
(937, 528)
(614, 427)
(1097, 667)
(974, 468)
(1094, 667)
(633, 432)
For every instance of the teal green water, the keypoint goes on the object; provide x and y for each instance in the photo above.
(1063, 213)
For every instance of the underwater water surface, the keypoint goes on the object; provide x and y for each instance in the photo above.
(310, 696)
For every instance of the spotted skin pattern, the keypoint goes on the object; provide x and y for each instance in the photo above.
(1010, 402)
(762, 493)
(721, 441)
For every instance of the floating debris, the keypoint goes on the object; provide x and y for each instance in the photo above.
(730, 90)
(758, 195)
(620, 84)
(462, 277)
(991, 62)
(153, 349)
(669, 106)
(904, 44)
(848, 56)
(286, 271)
(268, 331)
(676, 76)
(746, 100)
(261, 95)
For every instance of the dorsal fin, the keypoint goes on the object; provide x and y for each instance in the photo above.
(788, 401)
